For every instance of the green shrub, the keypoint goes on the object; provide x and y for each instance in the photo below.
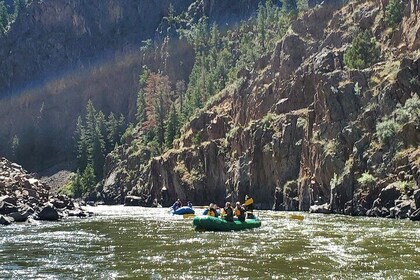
(67, 190)
(128, 134)
(405, 186)
(410, 111)
(387, 129)
(389, 126)
(363, 52)
(394, 13)
(301, 122)
(232, 132)
(367, 179)
(196, 139)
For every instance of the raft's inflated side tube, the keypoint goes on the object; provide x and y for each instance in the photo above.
(216, 224)
(183, 210)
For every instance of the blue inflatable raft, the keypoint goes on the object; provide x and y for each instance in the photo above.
(183, 210)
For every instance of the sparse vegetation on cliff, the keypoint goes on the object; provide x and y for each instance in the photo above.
(363, 51)
(394, 13)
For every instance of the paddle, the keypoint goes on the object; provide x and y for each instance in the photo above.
(188, 216)
(292, 216)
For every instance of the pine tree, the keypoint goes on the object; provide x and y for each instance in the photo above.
(394, 12)
(95, 133)
(200, 36)
(141, 116)
(302, 5)
(102, 126)
(88, 180)
(172, 127)
(363, 51)
(157, 98)
(97, 152)
(290, 6)
(77, 184)
(214, 44)
(261, 25)
(112, 132)
(90, 121)
(179, 93)
(82, 144)
(121, 128)
(160, 117)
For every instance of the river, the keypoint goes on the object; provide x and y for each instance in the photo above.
(142, 243)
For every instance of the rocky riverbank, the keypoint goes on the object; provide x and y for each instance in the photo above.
(392, 202)
(24, 198)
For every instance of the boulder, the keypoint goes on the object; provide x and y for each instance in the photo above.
(48, 213)
(6, 220)
(27, 211)
(323, 209)
(415, 216)
(9, 199)
(359, 210)
(388, 195)
(7, 208)
(378, 212)
(131, 200)
(70, 205)
(18, 217)
(77, 213)
(417, 198)
(57, 203)
(402, 210)
(30, 192)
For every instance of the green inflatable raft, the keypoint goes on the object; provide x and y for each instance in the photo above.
(215, 224)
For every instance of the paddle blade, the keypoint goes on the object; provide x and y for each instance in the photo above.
(297, 217)
(285, 216)
(188, 216)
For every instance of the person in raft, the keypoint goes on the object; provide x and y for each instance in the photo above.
(249, 207)
(211, 211)
(177, 204)
(240, 212)
(189, 204)
(228, 210)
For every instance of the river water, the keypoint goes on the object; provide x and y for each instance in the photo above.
(142, 243)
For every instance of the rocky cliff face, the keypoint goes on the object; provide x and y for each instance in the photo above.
(300, 129)
(59, 54)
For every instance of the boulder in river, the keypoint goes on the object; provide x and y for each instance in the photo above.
(323, 209)
(417, 198)
(18, 217)
(388, 195)
(6, 220)
(48, 213)
(415, 216)
(7, 208)
(131, 200)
